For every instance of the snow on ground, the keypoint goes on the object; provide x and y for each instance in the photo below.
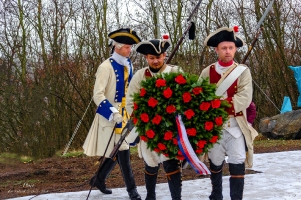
(280, 179)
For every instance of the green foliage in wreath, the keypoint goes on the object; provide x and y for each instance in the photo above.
(162, 97)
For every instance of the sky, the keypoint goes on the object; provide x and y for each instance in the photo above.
(278, 178)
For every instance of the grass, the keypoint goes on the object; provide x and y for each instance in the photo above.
(261, 141)
(11, 158)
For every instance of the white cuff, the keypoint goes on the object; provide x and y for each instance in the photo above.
(114, 110)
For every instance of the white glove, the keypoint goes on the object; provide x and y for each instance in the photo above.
(117, 118)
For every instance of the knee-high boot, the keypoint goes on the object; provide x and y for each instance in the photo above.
(150, 177)
(174, 177)
(123, 158)
(216, 181)
(106, 168)
(237, 172)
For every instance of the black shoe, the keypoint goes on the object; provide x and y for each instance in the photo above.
(99, 185)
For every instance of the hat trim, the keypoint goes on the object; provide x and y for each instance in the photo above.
(125, 34)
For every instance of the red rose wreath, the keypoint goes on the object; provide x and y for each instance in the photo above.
(161, 98)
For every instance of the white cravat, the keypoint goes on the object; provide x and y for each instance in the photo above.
(220, 69)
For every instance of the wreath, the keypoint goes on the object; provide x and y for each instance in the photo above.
(162, 97)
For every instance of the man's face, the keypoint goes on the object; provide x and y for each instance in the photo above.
(155, 61)
(226, 51)
(124, 51)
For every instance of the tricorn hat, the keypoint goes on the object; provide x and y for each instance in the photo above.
(153, 47)
(125, 36)
(222, 35)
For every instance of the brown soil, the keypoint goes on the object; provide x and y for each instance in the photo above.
(59, 174)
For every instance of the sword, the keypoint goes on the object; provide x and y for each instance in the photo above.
(259, 29)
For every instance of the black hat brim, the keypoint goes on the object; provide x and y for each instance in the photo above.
(222, 35)
(125, 36)
(153, 47)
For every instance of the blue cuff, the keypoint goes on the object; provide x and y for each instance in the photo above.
(104, 109)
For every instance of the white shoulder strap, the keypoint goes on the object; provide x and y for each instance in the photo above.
(229, 80)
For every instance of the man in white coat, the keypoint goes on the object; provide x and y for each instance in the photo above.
(112, 78)
(155, 54)
(234, 84)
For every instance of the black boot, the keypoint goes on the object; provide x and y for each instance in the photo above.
(123, 158)
(216, 181)
(237, 172)
(174, 177)
(150, 177)
(107, 166)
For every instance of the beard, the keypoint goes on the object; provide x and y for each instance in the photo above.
(154, 70)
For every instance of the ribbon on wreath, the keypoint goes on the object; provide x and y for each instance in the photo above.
(187, 150)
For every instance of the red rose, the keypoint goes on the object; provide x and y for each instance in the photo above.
(180, 157)
(180, 153)
(135, 120)
(144, 117)
(204, 106)
(144, 138)
(160, 82)
(214, 139)
(161, 146)
(170, 109)
(142, 92)
(157, 150)
(150, 134)
(189, 113)
(191, 131)
(166, 154)
(199, 151)
(201, 144)
(152, 102)
(197, 90)
(186, 97)
(135, 106)
(157, 119)
(216, 103)
(208, 126)
(175, 141)
(168, 135)
(219, 121)
(180, 79)
(167, 93)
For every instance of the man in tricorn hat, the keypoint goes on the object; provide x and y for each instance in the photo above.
(234, 84)
(155, 54)
(112, 78)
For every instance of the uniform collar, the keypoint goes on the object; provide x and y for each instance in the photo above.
(120, 59)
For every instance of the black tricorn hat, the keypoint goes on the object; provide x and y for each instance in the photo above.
(222, 35)
(125, 36)
(153, 47)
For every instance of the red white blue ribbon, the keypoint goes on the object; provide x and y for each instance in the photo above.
(187, 149)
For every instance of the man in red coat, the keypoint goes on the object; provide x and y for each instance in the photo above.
(234, 84)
